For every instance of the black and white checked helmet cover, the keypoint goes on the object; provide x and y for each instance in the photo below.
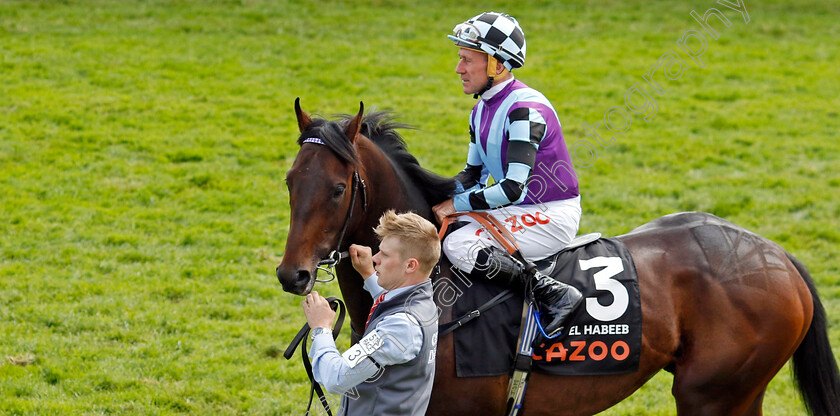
(497, 34)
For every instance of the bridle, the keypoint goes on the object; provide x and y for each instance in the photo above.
(328, 264)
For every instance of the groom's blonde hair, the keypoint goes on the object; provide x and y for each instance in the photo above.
(417, 236)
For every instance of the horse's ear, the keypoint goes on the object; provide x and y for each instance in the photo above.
(303, 119)
(355, 125)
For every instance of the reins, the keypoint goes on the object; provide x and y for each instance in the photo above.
(492, 225)
(338, 306)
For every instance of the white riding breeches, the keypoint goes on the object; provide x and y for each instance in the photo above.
(540, 231)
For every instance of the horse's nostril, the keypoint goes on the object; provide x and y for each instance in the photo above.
(295, 281)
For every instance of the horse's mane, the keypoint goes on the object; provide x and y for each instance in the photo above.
(381, 129)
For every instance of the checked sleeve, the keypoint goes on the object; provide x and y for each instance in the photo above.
(471, 175)
(525, 129)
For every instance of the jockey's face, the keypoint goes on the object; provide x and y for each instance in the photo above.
(472, 67)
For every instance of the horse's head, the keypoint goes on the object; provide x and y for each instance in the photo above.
(320, 196)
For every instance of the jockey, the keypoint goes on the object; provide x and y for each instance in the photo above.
(515, 137)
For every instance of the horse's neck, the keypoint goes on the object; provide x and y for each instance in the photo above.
(387, 188)
(394, 188)
(358, 301)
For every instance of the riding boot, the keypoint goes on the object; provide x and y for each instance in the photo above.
(554, 300)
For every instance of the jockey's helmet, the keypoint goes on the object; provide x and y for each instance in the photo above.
(496, 34)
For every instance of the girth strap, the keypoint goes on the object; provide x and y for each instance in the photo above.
(459, 322)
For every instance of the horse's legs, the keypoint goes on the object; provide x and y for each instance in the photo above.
(738, 329)
(697, 400)
(725, 369)
(755, 409)
(715, 404)
(711, 381)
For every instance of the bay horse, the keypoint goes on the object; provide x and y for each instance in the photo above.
(723, 315)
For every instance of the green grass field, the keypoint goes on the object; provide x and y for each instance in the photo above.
(143, 147)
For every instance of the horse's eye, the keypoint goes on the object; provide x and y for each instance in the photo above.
(339, 190)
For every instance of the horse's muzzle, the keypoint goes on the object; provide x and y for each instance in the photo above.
(298, 282)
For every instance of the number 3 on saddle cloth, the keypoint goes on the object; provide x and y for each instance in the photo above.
(602, 337)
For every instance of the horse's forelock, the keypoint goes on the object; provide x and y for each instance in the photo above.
(331, 134)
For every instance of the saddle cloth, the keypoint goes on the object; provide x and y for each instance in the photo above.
(602, 337)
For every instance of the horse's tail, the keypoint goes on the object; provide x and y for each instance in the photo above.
(814, 367)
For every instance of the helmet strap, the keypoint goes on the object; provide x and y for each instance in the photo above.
(491, 75)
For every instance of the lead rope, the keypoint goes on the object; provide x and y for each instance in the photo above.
(336, 305)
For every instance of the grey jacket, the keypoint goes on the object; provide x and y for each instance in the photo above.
(402, 389)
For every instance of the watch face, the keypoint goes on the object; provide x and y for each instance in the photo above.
(319, 331)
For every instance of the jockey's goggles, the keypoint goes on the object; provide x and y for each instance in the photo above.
(466, 32)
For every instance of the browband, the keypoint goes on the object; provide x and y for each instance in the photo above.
(313, 140)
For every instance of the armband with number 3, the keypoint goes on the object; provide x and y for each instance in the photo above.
(363, 349)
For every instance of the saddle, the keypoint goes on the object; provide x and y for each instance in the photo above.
(548, 265)
(603, 336)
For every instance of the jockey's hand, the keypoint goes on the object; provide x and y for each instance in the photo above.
(362, 259)
(444, 209)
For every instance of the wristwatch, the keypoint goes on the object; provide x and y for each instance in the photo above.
(319, 331)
